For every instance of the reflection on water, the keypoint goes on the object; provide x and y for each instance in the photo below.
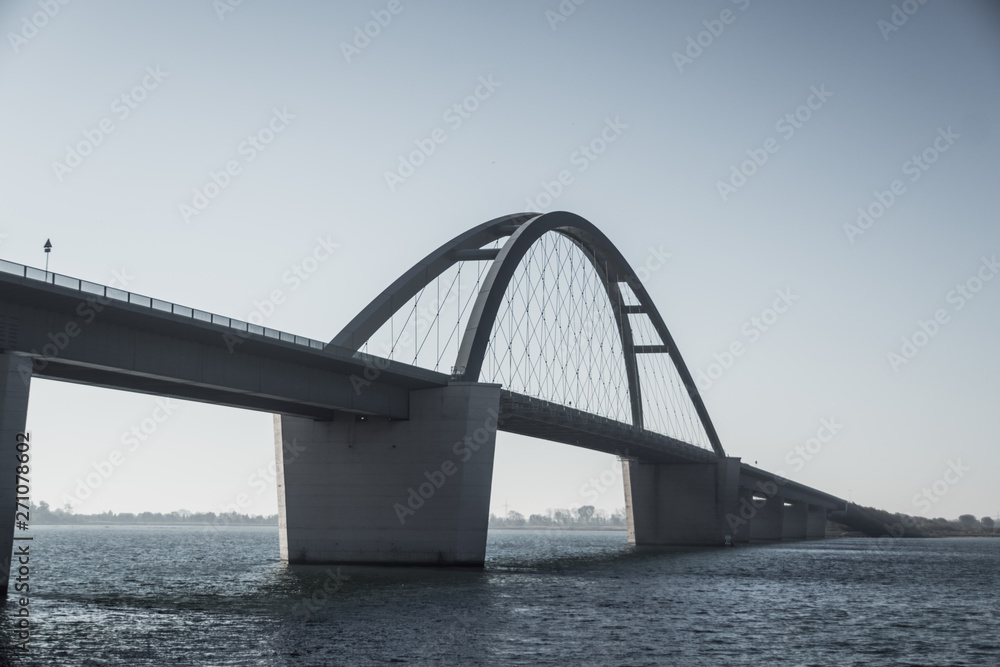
(120, 595)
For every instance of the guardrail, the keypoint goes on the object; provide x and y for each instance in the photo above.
(97, 289)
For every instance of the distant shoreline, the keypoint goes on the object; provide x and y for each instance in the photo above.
(599, 528)
(609, 529)
(211, 523)
(931, 536)
(154, 523)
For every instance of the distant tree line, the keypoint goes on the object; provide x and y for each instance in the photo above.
(876, 523)
(868, 520)
(581, 517)
(871, 521)
(43, 514)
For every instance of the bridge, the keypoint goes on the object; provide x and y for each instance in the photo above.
(384, 436)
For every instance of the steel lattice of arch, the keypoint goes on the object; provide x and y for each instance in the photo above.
(522, 231)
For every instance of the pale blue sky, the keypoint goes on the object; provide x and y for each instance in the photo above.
(656, 186)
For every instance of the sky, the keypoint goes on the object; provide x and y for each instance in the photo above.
(836, 159)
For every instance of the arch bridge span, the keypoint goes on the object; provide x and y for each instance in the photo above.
(547, 307)
(384, 436)
(544, 330)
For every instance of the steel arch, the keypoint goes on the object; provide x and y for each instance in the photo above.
(463, 247)
(524, 229)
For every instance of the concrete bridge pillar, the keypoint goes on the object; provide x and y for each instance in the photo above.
(794, 521)
(680, 504)
(768, 520)
(15, 381)
(414, 491)
(816, 522)
(739, 522)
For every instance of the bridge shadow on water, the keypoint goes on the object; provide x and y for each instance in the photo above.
(510, 553)
(553, 550)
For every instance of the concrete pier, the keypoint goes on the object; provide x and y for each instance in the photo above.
(739, 522)
(768, 522)
(15, 381)
(680, 504)
(373, 490)
(816, 523)
(793, 526)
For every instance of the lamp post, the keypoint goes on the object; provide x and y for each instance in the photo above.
(48, 249)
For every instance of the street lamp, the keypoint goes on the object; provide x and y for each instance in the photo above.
(48, 249)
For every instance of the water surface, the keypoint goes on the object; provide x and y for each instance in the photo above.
(135, 595)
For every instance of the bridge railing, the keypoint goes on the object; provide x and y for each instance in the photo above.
(96, 289)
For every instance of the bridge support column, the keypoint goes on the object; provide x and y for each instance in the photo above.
(767, 521)
(15, 381)
(680, 504)
(373, 490)
(739, 522)
(793, 526)
(816, 523)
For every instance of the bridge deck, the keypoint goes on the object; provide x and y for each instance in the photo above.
(82, 332)
(537, 418)
(127, 341)
(760, 481)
